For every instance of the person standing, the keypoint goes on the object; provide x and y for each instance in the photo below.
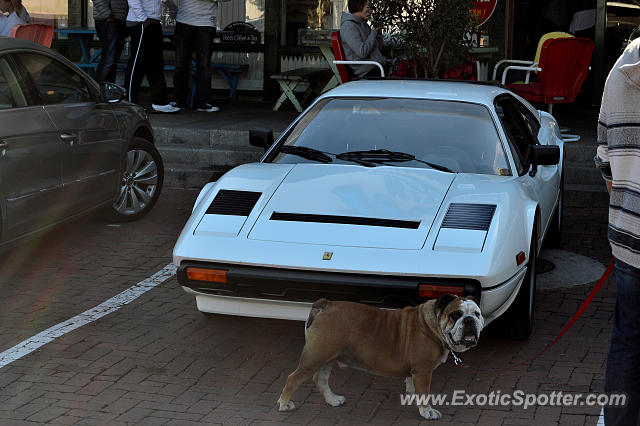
(195, 29)
(146, 55)
(618, 157)
(110, 20)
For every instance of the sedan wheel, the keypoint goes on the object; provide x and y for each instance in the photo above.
(141, 182)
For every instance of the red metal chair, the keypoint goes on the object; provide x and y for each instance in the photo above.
(345, 72)
(563, 67)
(39, 33)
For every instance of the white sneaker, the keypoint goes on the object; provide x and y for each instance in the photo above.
(208, 108)
(168, 108)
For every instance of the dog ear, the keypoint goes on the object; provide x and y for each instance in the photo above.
(473, 299)
(443, 301)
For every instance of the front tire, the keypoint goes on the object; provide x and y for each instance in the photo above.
(141, 183)
(554, 234)
(517, 322)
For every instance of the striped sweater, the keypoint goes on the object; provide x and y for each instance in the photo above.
(199, 13)
(618, 154)
(116, 9)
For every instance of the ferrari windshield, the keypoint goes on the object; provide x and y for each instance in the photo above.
(446, 135)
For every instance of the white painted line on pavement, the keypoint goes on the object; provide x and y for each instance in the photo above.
(601, 418)
(116, 302)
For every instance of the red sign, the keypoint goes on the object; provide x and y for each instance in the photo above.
(483, 9)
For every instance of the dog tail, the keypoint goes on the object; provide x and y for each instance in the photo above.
(317, 307)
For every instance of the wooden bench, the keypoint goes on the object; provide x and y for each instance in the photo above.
(289, 80)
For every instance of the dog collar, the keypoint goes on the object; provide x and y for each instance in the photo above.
(456, 359)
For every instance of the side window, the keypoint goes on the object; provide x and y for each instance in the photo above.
(518, 132)
(11, 95)
(530, 121)
(54, 82)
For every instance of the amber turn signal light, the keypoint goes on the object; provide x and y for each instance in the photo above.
(428, 291)
(204, 274)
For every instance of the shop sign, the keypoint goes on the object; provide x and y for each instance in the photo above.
(483, 9)
(240, 32)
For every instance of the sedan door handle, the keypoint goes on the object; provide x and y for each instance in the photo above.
(68, 138)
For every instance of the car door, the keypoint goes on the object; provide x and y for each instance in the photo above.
(91, 140)
(521, 129)
(30, 162)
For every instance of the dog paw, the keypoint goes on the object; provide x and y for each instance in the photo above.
(289, 406)
(335, 400)
(430, 413)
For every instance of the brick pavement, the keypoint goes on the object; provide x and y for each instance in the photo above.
(159, 361)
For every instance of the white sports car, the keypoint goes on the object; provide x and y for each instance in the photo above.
(386, 192)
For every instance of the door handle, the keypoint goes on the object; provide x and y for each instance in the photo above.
(3, 148)
(69, 138)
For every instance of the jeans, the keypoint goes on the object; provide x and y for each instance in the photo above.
(623, 363)
(146, 58)
(190, 39)
(111, 35)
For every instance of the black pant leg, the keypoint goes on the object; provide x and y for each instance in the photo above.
(155, 63)
(204, 49)
(185, 44)
(136, 67)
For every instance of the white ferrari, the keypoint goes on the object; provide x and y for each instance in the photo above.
(385, 192)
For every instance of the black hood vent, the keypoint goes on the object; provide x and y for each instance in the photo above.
(234, 203)
(469, 216)
(345, 220)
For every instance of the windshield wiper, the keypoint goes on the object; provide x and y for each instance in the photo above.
(381, 156)
(306, 152)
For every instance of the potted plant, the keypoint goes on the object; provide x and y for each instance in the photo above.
(435, 33)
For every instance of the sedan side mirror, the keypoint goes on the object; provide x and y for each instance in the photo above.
(261, 138)
(112, 93)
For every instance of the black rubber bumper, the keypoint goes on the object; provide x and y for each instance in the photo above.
(308, 286)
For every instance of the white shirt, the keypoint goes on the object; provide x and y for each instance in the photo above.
(141, 10)
(7, 22)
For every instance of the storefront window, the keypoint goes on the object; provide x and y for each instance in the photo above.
(50, 12)
(306, 20)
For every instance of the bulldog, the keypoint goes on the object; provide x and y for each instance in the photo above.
(405, 343)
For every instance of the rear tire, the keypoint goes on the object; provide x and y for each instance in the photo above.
(517, 322)
(142, 179)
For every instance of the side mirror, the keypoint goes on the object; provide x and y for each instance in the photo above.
(112, 93)
(261, 138)
(544, 155)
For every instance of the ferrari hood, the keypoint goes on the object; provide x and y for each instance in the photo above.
(344, 205)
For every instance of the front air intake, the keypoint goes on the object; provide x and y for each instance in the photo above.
(233, 203)
(344, 220)
(469, 216)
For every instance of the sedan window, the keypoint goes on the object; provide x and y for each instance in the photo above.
(54, 82)
(11, 95)
(455, 136)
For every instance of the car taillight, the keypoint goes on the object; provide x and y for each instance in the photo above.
(520, 257)
(204, 274)
(429, 291)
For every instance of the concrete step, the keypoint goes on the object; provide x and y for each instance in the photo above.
(577, 153)
(211, 138)
(588, 175)
(576, 195)
(206, 158)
